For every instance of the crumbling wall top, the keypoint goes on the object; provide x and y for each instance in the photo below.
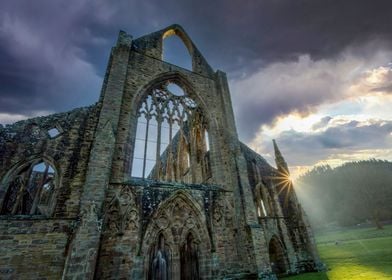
(152, 45)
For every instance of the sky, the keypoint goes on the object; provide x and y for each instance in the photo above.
(314, 75)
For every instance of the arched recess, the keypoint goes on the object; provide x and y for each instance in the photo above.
(165, 126)
(176, 219)
(261, 201)
(277, 256)
(121, 212)
(119, 233)
(30, 188)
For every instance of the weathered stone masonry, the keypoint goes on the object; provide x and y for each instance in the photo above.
(206, 206)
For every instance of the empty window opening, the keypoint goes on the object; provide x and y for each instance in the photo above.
(30, 191)
(207, 141)
(258, 212)
(264, 211)
(162, 149)
(188, 160)
(53, 132)
(175, 90)
(175, 52)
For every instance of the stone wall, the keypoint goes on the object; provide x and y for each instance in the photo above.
(36, 246)
(68, 152)
(33, 248)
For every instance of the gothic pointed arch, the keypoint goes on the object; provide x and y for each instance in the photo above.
(176, 50)
(263, 200)
(189, 258)
(160, 259)
(120, 224)
(179, 79)
(170, 210)
(176, 29)
(176, 218)
(30, 187)
(113, 222)
(168, 131)
(151, 45)
(277, 256)
(121, 213)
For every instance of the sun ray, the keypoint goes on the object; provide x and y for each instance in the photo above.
(284, 184)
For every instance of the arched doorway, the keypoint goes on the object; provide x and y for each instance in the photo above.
(277, 257)
(160, 260)
(189, 259)
(178, 238)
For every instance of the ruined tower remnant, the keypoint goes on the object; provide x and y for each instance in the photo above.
(148, 183)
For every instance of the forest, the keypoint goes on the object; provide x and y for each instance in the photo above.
(351, 194)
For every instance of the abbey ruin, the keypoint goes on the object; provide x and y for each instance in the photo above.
(148, 183)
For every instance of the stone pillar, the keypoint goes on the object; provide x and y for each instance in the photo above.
(82, 256)
(243, 197)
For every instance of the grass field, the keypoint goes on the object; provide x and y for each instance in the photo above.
(364, 254)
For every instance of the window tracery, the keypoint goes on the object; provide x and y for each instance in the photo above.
(170, 135)
(30, 191)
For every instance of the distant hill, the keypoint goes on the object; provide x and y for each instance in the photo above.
(351, 194)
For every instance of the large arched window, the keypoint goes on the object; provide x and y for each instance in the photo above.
(170, 142)
(29, 191)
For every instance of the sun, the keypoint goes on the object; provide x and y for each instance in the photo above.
(284, 183)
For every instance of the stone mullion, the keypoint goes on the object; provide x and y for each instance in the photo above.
(170, 159)
(145, 145)
(24, 182)
(39, 190)
(158, 148)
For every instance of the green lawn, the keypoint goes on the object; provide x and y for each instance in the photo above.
(364, 254)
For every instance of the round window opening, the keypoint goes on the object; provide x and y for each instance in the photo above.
(175, 89)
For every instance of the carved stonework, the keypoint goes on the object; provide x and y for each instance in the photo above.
(218, 214)
(182, 224)
(122, 213)
(90, 214)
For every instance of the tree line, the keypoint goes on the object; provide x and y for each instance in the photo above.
(350, 194)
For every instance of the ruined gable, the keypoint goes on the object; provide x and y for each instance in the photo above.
(149, 183)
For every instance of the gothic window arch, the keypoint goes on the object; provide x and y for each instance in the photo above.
(168, 145)
(176, 49)
(30, 189)
(261, 205)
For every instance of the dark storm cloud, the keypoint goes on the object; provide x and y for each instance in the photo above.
(53, 53)
(250, 32)
(304, 148)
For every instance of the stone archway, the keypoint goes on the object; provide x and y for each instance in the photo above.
(179, 228)
(277, 257)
